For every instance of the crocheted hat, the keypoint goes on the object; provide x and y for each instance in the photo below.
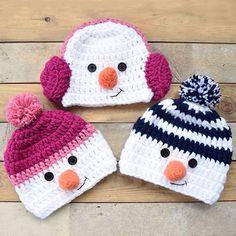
(54, 156)
(105, 62)
(182, 144)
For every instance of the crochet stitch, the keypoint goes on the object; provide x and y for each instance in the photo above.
(105, 62)
(182, 145)
(54, 157)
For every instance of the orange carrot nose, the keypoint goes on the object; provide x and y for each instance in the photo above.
(69, 180)
(108, 78)
(175, 170)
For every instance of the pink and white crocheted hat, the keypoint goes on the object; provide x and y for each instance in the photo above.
(105, 62)
(54, 156)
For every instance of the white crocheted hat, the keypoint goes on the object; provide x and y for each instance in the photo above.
(105, 62)
(182, 144)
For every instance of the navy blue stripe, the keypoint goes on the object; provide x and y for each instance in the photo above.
(183, 108)
(176, 121)
(218, 154)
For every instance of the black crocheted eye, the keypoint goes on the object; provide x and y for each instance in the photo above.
(122, 66)
(49, 176)
(192, 163)
(72, 160)
(92, 67)
(165, 152)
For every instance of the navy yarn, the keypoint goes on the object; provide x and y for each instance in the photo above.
(211, 115)
(176, 121)
(200, 89)
(217, 154)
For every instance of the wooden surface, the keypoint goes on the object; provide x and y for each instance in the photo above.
(196, 37)
(128, 113)
(123, 219)
(163, 20)
(217, 60)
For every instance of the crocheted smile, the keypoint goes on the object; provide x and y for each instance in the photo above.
(120, 91)
(105, 62)
(85, 179)
(185, 183)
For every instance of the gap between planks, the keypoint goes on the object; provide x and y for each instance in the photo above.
(23, 62)
(126, 113)
(121, 188)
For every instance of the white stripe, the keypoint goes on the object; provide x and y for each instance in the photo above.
(187, 134)
(220, 123)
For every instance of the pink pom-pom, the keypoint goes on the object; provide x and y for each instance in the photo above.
(23, 109)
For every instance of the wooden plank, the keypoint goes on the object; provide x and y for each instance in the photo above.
(164, 20)
(120, 188)
(115, 133)
(23, 62)
(16, 221)
(151, 219)
(154, 219)
(128, 113)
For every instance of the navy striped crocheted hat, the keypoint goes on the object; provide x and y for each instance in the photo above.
(182, 144)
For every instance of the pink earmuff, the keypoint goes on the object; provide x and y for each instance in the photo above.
(158, 75)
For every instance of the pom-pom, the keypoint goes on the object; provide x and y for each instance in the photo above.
(200, 89)
(23, 109)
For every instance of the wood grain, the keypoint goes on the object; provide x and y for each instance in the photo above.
(154, 219)
(116, 135)
(15, 220)
(128, 113)
(23, 62)
(120, 188)
(176, 219)
(164, 20)
(179, 26)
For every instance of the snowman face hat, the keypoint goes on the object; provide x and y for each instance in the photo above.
(69, 177)
(53, 156)
(182, 144)
(109, 64)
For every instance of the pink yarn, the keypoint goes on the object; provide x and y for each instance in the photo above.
(23, 109)
(98, 21)
(55, 79)
(26, 174)
(158, 75)
(47, 135)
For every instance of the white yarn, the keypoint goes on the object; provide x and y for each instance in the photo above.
(188, 134)
(171, 110)
(95, 162)
(141, 158)
(106, 45)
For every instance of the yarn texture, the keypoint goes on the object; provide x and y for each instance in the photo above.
(54, 158)
(23, 109)
(182, 145)
(55, 79)
(158, 75)
(200, 89)
(105, 62)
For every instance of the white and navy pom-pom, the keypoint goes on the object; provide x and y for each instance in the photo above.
(200, 89)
